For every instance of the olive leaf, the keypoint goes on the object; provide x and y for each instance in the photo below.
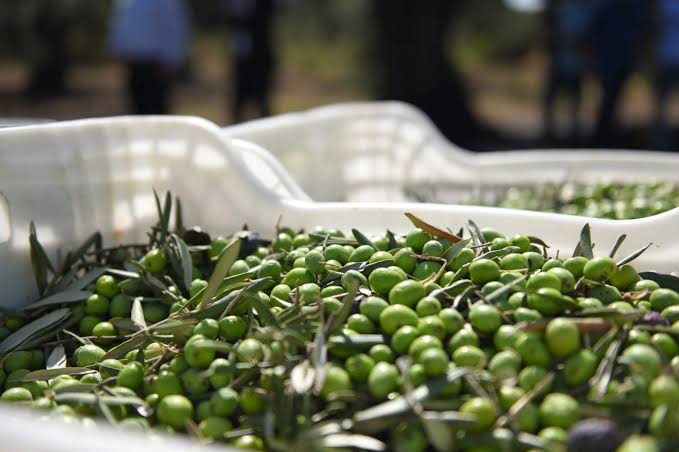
(537, 241)
(358, 340)
(137, 314)
(634, 255)
(498, 253)
(124, 348)
(616, 245)
(604, 372)
(39, 260)
(392, 243)
(475, 233)
(362, 239)
(363, 267)
(32, 329)
(337, 320)
(400, 405)
(452, 252)
(457, 285)
(91, 399)
(48, 374)
(163, 215)
(85, 280)
(74, 256)
(499, 292)
(440, 435)
(433, 230)
(67, 296)
(264, 311)
(351, 440)
(302, 377)
(664, 281)
(123, 273)
(181, 251)
(585, 244)
(178, 216)
(173, 326)
(228, 256)
(56, 358)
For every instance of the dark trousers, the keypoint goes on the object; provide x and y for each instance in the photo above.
(148, 88)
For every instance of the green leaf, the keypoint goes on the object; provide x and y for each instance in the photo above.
(87, 279)
(455, 249)
(401, 405)
(32, 329)
(185, 259)
(178, 215)
(358, 340)
(392, 240)
(664, 281)
(263, 311)
(173, 326)
(496, 294)
(451, 287)
(123, 349)
(439, 433)
(73, 257)
(337, 320)
(228, 256)
(67, 296)
(475, 232)
(616, 245)
(137, 314)
(163, 215)
(498, 253)
(634, 255)
(586, 242)
(39, 260)
(362, 239)
(48, 374)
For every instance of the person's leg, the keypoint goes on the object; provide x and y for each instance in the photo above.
(574, 93)
(262, 91)
(149, 88)
(611, 84)
(548, 102)
(661, 132)
(161, 90)
(239, 89)
(135, 86)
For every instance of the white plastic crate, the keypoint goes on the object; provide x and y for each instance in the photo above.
(76, 177)
(387, 151)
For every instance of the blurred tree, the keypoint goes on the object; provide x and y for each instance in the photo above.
(413, 63)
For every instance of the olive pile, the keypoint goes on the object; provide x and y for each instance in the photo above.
(601, 200)
(319, 340)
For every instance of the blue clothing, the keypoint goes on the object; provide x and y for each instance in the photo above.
(150, 30)
(668, 40)
(571, 23)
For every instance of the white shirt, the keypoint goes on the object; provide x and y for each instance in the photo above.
(156, 30)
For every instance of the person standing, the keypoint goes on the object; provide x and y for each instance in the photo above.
(617, 29)
(252, 55)
(667, 68)
(152, 38)
(568, 23)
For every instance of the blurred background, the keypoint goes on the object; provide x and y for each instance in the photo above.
(492, 74)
